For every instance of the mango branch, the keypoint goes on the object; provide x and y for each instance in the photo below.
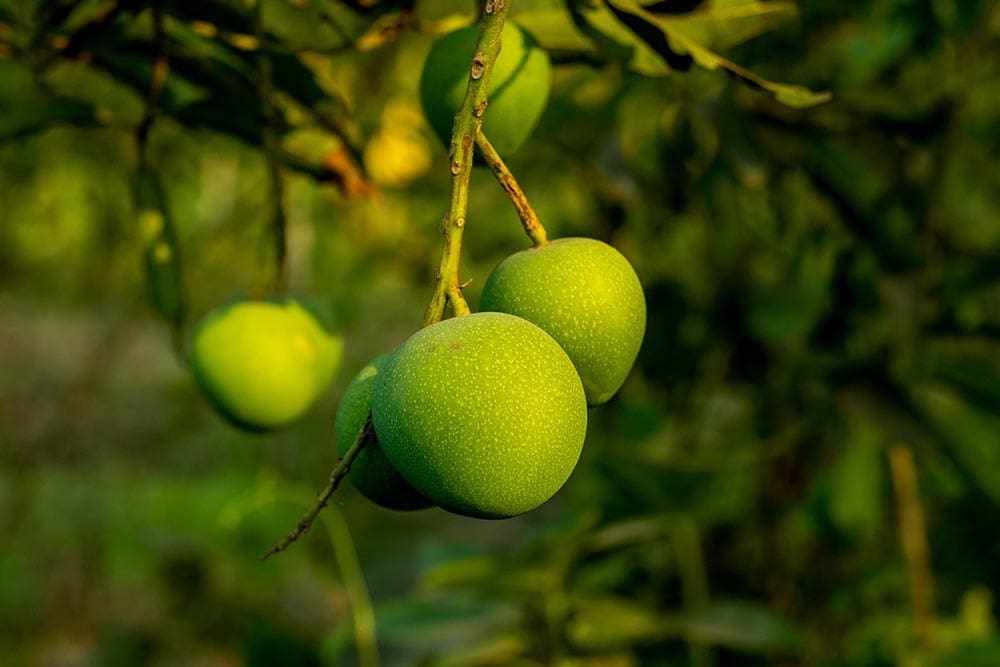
(336, 477)
(158, 76)
(273, 153)
(468, 120)
(529, 219)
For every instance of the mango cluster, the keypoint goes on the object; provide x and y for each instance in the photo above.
(485, 415)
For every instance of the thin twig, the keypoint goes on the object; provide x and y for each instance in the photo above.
(273, 153)
(529, 219)
(336, 477)
(158, 76)
(468, 120)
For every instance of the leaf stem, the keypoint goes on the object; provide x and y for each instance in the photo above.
(336, 477)
(529, 219)
(468, 120)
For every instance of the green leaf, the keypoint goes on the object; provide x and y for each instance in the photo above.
(610, 622)
(439, 622)
(978, 654)
(233, 115)
(743, 626)
(222, 15)
(970, 365)
(972, 435)
(42, 112)
(725, 23)
(680, 43)
(856, 490)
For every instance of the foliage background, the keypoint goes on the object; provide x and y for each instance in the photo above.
(823, 288)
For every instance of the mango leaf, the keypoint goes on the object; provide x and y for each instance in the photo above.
(668, 38)
(222, 15)
(8, 17)
(725, 23)
(555, 29)
(610, 622)
(972, 366)
(972, 435)
(673, 6)
(233, 115)
(973, 654)
(45, 111)
(441, 622)
(617, 43)
(857, 482)
(742, 626)
(50, 14)
(131, 62)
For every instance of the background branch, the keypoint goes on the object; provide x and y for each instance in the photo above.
(273, 153)
(913, 539)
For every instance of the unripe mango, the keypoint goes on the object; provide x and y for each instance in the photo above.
(371, 472)
(586, 295)
(483, 414)
(263, 364)
(518, 92)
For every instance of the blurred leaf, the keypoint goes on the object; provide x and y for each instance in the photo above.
(673, 43)
(724, 24)
(607, 623)
(973, 435)
(857, 481)
(978, 654)
(742, 626)
(613, 622)
(440, 623)
(50, 14)
(220, 14)
(971, 365)
(239, 117)
(45, 111)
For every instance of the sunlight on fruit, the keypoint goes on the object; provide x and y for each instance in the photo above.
(398, 154)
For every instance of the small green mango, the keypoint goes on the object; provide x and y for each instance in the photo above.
(586, 295)
(371, 473)
(263, 364)
(519, 86)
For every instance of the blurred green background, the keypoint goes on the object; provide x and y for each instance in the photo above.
(803, 468)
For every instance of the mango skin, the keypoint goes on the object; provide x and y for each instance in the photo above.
(263, 364)
(483, 414)
(519, 86)
(583, 293)
(371, 473)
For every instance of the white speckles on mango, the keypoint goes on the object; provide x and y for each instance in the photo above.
(586, 295)
(371, 473)
(483, 414)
